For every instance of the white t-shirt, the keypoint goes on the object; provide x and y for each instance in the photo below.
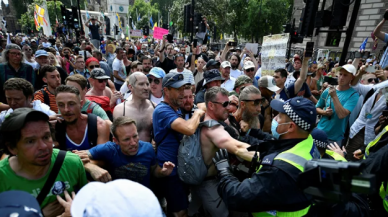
(290, 80)
(235, 73)
(46, 44)
(156, 100)
(37, 105)
(33, 64)
(229, 84)
(124, 88)
(118, 66)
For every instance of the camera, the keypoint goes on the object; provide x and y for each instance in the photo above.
(232, 44)
(331, 80)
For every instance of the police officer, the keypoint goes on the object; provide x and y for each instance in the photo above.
(273, 190)
(321, 141)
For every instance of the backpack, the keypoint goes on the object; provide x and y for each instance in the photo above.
(60, 132)
(192, 169)
(102, 101)
(46, 97)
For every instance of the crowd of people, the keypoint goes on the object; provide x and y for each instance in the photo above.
(75, 115)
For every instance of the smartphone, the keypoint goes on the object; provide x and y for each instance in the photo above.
(386, 15)
(195, 42)
(331, 80)
(357, 55)
(385, 113)
(309, 49)
(232, 44)
(370, 69)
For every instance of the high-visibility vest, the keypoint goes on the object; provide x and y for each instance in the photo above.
(378, 137)
(384, 196)
(336, 156)
(297, 156)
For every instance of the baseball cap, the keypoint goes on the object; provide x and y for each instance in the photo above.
(349, 68)
(157, 72)
(212, 62)
(212, 75)
(19, 203)
(98, 73)
(119, 198)
(39, 53)
(269, 83)
(320, 138)
(12, 46)
(242, 79)
(297, 59)
(33, 40)
(174, 80)
(300, 110)
(16, 120)
(225, 64)
(249, 65)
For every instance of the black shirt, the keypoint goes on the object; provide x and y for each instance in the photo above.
(94, 31)
(168, 64)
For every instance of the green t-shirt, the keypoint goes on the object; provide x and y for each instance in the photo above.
(72, 173)
(97, 110)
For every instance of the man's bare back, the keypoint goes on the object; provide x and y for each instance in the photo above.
(141, 114)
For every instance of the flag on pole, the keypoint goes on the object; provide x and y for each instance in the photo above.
(4, 23)
(155, 25)
(9, 38)
(151, 21)
(363, 45)
(118, 21)
(133, 26)
(102, 15)
(47, 25)
(137, 15)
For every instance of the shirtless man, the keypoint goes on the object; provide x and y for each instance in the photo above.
(140, 108)
(212, 139)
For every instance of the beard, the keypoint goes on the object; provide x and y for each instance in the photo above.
(234, 65)
(252, 120)
(146, 69)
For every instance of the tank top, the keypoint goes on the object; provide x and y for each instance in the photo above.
(70, 145)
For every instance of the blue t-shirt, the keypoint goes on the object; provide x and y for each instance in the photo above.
(304, 91)
(335, 127)
(163, 117)
(136, 168)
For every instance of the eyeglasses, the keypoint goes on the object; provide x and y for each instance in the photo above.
(102, 80)
(177, 77)
(256, 102)
(249, 70)
(224, 104)
(15, 53)
(94, 66)
(156, 80)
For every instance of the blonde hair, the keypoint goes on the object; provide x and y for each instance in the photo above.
(55, 58)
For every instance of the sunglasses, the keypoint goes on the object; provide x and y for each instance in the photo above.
(249, 70)
(102, 80)
(177, 77)
(256, 102)
(94, 66)
(375, 79)
(224, 104)
(156, 80)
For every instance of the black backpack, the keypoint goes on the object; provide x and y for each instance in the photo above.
(60, 132)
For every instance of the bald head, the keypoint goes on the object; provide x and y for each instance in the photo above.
(134, 77)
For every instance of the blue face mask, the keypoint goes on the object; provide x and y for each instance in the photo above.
(274, 127)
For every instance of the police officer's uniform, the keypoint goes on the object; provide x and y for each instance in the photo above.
(321, 141)
(272, 190)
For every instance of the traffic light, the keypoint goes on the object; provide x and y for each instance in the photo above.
(308, 17)
(197, 19)
(146, 30)
(107, 25)
(64, 14)
(287, 28)
(69, 19)
(74, 13)
(339, 13)
(295, 37)
(187, 23)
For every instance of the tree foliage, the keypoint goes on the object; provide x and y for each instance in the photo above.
(144, 9)
(163, 6)
(242, 18)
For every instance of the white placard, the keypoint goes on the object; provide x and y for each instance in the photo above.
(273, 53)
(252, 47)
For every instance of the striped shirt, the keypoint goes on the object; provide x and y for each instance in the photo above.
(53, 104)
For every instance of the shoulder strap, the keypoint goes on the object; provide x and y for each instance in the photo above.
(124, 107)
(60, 135)
(46, 97)
(209, 123)
(286, 91)
(368, 95)
(195, 73)
(92, 129)
(152, 103)
(52, 176)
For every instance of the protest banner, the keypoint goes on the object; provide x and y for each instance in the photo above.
(273, 53)
(159, 32)
(254, 47)
(136, 33)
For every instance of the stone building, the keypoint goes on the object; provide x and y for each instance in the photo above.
(371, 12)
(9, 14)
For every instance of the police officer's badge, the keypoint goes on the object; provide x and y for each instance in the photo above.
(58, 188)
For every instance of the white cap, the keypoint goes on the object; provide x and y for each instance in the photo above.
(225, 64)
(349, 68)
(248, 65)
(176, 48)
(119, 198)
(269, 83)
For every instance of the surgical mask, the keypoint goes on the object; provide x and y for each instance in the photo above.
(274, 127)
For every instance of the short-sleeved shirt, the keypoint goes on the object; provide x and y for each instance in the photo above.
(39, 96)
(7, 71)
(97, 110)
(303, 92)
(235, 73)
(229, 84)
(94, 31)
(163, 116)
(200, 96)
(335, 127)
(136, 168)
(118, 66)
(72, 174)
